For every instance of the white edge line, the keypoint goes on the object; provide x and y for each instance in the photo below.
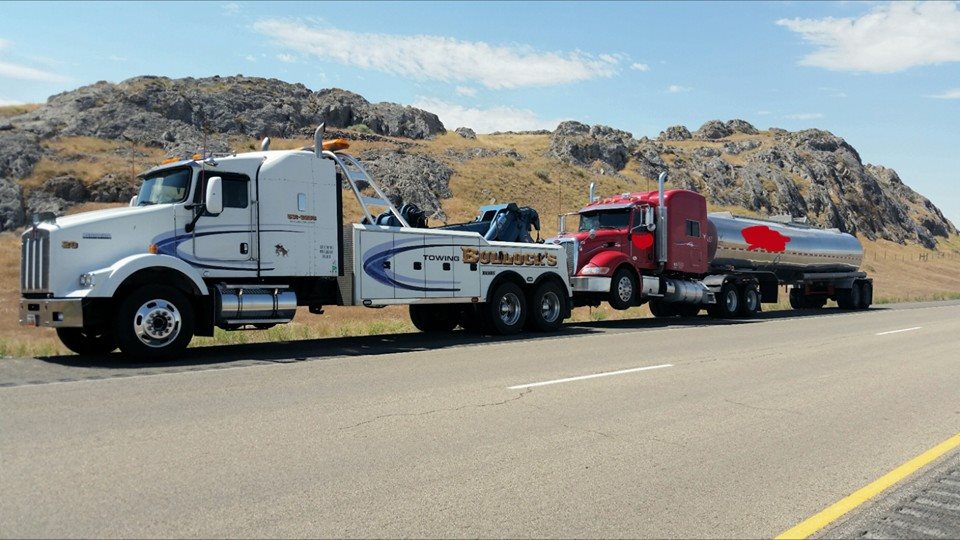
(898, 331)
(584, 377)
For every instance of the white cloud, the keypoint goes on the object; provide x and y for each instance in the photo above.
(231, 8)
(116, 58)
(953, 93)
(250, 58)
(484, 120)
(833, 92)
(26, 73)
(677, 89)
(763, 113)
(440, 58)
(892, 37)
(466, 91)
(804, 116)
(8, 102)
(286, 58)
(639, 67)
(21, 72)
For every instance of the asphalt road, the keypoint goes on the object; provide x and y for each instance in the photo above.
(739, 430)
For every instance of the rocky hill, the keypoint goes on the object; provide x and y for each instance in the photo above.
(83, 146)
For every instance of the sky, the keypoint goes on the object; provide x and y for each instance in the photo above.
(884, 76)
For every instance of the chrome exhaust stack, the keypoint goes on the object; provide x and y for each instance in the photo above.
(318, 140)
(661, 222)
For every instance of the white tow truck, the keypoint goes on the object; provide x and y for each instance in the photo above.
(240, 241)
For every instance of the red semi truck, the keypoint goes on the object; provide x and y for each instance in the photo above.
(663, 248)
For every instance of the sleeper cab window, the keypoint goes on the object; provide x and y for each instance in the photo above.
(301, 202)
(693, 228)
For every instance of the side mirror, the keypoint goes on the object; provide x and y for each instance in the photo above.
(214, 201)
(133, 200)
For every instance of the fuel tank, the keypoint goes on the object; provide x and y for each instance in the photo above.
(758, 244)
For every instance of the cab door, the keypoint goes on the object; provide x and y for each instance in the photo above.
(225, 241)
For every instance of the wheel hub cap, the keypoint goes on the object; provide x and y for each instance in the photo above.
(550, 307)
(625, 289)
(157, 323)
(510, 309)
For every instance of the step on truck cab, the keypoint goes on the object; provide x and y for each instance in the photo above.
(240, 241)
(662, 248)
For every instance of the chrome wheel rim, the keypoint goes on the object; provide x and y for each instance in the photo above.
(625, 289)
(751, 300)
(510, 309)
(550, 307)
(731, 301)
(157, 323)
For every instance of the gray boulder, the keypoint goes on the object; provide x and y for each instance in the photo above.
(111, 189)
(582, 145)
(675, 133)
(19, 153)
(466, 133)
(714, 129)
(410, 178)
(67, 188)
(11, 205)
(741, 126)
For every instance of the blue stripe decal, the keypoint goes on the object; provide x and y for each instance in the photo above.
(376, 256)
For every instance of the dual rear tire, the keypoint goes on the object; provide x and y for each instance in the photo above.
(735, 301)
(508, 311)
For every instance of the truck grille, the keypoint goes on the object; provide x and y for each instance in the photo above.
(35, 261)
(570, 247)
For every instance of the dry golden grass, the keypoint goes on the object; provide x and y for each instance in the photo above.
(536, 180)
(90, 159)
(16, 110)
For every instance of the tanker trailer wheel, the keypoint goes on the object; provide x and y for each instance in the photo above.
(750, 301)
(433, 317)
(154, 321)
(546, 308)
(728, 302)
(849, 298)
(87, 342)
(506, 312)
(866, 294)
(661, 309)
(623, 289)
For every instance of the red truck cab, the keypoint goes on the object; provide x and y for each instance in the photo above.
(615, 245)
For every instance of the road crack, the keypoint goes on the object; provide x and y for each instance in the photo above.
(436, 411)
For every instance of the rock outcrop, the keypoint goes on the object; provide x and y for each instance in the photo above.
(410, 178)
(583, 145)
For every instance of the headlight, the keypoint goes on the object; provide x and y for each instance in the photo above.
(87, 280)
(594, 270)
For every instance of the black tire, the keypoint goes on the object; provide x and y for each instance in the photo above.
(728, 302)
(797, 299)
(661, 309)
(849, 298)
(687, 310)
(623, 289)
(433, 317)
(546, 307)
(506, 311)
(866, 294)
(472, 318)
(87, 342)
(155, 321)
(816, 302)
(750, 301)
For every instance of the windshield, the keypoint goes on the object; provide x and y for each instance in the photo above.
(164, 187)
(610, 219)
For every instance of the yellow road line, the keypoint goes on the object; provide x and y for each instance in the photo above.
(830, 514)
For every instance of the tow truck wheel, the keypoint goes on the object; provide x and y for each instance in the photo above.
(546, 308)
(507, 309)
(87, 342)
(623, 289)
(154, 321)
(433, 317)
(728, 302)
(751, 301)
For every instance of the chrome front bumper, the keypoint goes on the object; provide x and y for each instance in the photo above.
(56, 313)
(590, 284)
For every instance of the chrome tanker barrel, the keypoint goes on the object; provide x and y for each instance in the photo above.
(781, 247)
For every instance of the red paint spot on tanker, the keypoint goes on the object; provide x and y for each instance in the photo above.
(642, 240)
(763, 237)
